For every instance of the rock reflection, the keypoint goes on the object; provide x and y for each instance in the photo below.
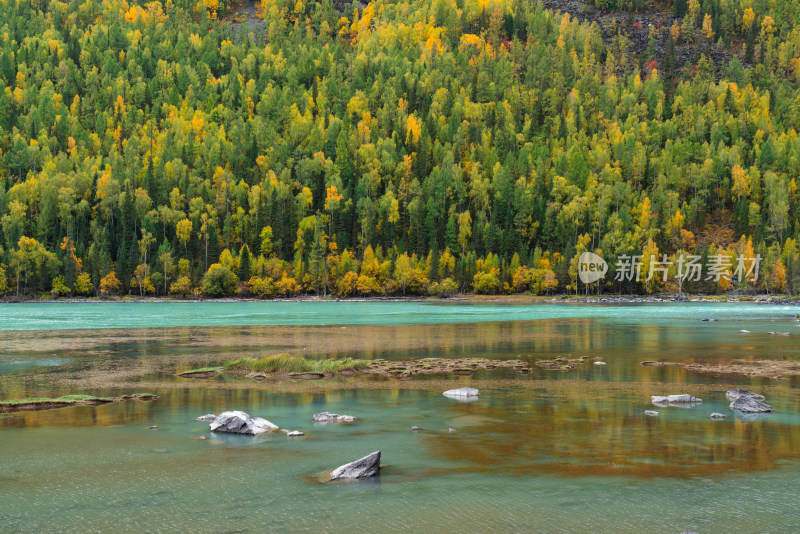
(572, 437)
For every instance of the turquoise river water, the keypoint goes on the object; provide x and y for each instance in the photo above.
(553, 451)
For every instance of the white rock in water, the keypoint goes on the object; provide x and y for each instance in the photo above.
(744, 331)
(750, 405)
(660, 400)
(733, 394)
(652, 413)
(599, 363)
(365, 467)
(295, 433)
(237, 422)
(207, 417)
(328, 417)
(717, 416)
(461, 392)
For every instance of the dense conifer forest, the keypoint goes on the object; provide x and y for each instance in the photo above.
(395, 148)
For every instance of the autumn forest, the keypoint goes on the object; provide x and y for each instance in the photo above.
(393, 148)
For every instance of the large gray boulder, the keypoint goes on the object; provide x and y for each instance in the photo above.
(750, 405)
(328, 417)
(236, 422)
(734, 394)
(368, 466)
(675, 400)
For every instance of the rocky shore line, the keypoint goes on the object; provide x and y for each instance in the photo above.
(466, 297)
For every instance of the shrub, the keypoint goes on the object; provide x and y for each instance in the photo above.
(367, 285)
(59, 287)
(444, 288)
(287, 287)
(347, 285)
(83, 285)
(110, 284)
(219, 281)
(181, 287)
(486, 283)
(263, 288)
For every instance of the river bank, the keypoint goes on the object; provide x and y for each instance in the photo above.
(461, 298)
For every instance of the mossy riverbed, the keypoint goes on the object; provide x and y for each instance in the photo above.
(285, 366)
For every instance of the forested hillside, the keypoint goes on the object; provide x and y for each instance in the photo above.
(425, 147)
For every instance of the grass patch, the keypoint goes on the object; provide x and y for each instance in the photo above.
(286, 363)
(66, 399)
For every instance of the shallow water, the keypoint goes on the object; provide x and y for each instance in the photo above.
(551, 452)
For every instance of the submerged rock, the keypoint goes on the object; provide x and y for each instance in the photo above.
(236, 422)
(717, 416)
(365, 467)
(744, 331)
(328, 417)
(750, 405)
(599, 363)
(207, 417)
(675, 400)
(737, 393)
(415, 428)
(461, 392)
(652, 413)
(295, 433)
(751, 417)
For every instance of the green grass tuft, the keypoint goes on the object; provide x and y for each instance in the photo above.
(64, 398)
(287, 363)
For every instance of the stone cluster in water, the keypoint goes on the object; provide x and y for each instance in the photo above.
(238, 422)
(743, 401)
